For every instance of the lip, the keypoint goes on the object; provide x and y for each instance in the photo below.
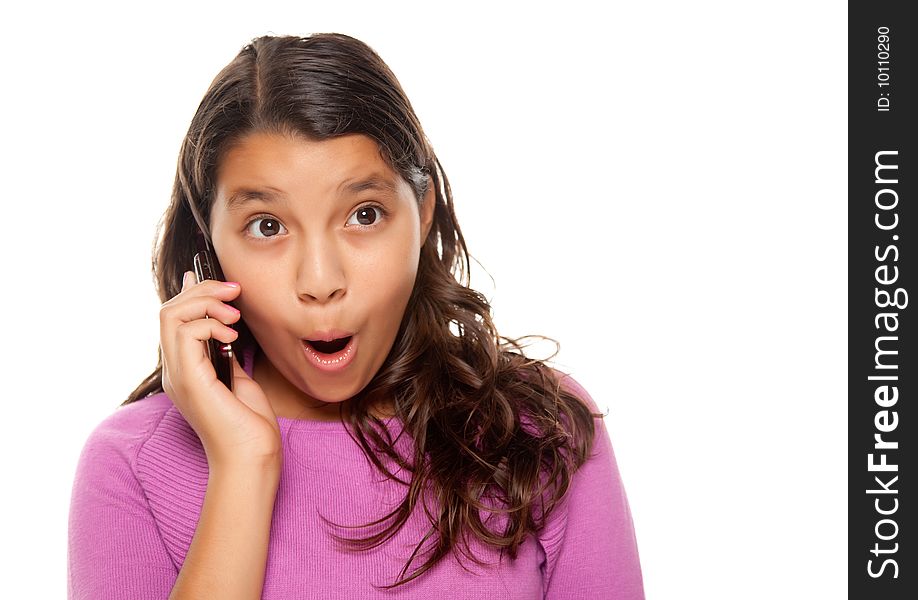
(332, 363)
(329, 335)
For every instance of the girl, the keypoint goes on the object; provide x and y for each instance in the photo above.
(380, 440)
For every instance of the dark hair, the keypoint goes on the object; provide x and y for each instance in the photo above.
(464, 397)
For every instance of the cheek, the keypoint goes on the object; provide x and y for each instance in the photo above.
(389, 279)
(255, 308)
(256, 300)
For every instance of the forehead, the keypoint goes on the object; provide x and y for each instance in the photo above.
(272, 166)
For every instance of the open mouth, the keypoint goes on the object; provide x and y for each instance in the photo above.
(329, 347)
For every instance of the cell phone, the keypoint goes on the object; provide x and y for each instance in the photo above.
(219, 353)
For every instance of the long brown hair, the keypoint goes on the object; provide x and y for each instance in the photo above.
(463, 392)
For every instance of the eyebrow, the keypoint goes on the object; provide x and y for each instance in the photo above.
(245, 195)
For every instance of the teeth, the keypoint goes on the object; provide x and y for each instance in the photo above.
(325, 361)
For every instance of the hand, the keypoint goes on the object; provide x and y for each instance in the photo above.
(235, 428)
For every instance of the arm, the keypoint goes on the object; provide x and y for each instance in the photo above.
(114, 547)
(591, 548)
(229, 552)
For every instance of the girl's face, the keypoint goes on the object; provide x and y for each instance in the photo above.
(321, 236)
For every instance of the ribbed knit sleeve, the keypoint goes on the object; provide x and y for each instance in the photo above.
(590, 546)
(114, 547)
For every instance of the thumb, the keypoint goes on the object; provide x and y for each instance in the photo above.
(250, 393)
(238, 371)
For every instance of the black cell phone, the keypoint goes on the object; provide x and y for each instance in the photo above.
(220, 354)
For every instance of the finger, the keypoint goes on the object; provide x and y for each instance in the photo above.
(201, 330)
(222, 289)
(191, 337)
(188, 279)
(198, 307)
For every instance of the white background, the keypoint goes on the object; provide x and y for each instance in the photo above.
(661, 187)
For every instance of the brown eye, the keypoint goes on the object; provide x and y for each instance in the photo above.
(368, 216)
(267, 227)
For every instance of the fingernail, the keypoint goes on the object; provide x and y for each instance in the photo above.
(232, 284)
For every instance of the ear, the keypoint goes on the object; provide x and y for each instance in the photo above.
(427, 211)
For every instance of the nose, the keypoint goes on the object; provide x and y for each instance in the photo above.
(321, 274)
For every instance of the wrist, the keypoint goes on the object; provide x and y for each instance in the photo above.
(267, 465)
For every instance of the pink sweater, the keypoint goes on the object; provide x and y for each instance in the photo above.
(140, 483)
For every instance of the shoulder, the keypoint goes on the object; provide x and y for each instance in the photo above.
(597, 475)
(140, 441)
(120, 435)
(601, 455)
(573, 386)
(106, 481)
(137, 457)
(128, 518)
(143, 463)
(595, 513)
(566, 381)
(146, 434)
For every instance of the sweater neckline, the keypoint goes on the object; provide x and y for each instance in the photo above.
(248, 365)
